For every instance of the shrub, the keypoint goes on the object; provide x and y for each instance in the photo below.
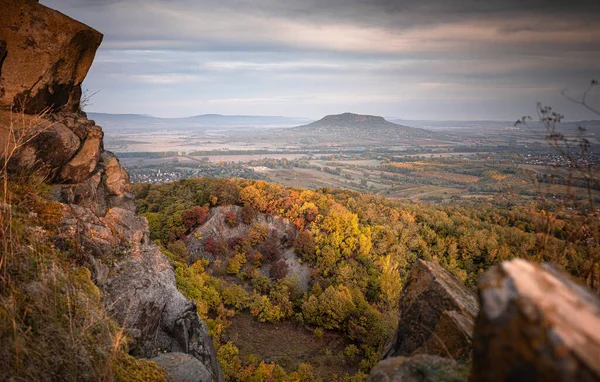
(261, 283)
(331, 309)
(270, 248)
(229, 360)
(178, 249)
(231, 219)
(278, 270)
(236, 296)
(257, 233)
(195, 216)
(319, 332)
(264, 311)
(256, 259)
(210, 245)
(236, 241)
(304, 245)
(351, 351)
(236, 263)
(248, 214)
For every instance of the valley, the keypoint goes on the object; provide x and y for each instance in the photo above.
(454, 162)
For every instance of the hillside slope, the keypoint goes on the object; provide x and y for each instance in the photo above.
(356, 128)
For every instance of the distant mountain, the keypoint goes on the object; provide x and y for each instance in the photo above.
(593, 125)
(119, 122)
(249, 120)
(357, 127)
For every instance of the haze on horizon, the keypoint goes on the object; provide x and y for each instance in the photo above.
(433, 59)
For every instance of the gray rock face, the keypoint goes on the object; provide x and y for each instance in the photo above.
(81, 166)
(418, 368)
(47, 56)
(182, 367)
(140, 288)
(50, 146)
(437, 313)
(43, 70)
(44, 57)
(535, 324)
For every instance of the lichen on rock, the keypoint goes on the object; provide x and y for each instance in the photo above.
(436, 314)
(535, 324)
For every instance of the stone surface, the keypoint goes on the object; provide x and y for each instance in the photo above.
(436, 314)
(47, 57)
(418, 368)
(182, 367)
(535, 324)
(85, 161)
(142, 296)
(48, 147)
(117, 178)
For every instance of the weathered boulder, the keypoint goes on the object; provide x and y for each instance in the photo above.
(47, 56)
(107, 187)
(535, 324)
(437, 313)
(181, 367)
(141, 294)
(49, 146)
(85, 161)
(419, 368)
(117, 178)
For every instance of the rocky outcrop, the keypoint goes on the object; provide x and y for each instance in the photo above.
(182, 367)
(437, 313)
(419, 368)
(142, 295)
(47, 56)
(535, 324)
(81, 166)
(51, 146)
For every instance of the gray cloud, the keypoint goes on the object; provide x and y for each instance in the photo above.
(427, 59)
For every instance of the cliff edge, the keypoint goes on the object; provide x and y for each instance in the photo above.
(44, 57)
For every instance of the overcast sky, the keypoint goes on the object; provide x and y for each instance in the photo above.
(427, 59)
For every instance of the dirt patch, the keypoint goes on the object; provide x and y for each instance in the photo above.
(290, 344)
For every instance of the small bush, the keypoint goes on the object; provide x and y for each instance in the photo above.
(278, 270)
(231, 219)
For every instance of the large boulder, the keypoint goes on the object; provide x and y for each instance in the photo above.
(64, 147)
(81, 166)
(141, 294)
(44, 59)
(47, 56)
(49, 146)
(419, 368)
(437, 314)
(181, 367)
(535, 324)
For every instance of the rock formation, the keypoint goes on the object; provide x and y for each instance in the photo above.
(182, 367)
(437, 313)
(535, 324)
(418, 368)
(45, 57)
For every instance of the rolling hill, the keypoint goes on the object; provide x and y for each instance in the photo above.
(349, 128)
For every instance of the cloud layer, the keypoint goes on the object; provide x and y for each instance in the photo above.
(430, 59)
